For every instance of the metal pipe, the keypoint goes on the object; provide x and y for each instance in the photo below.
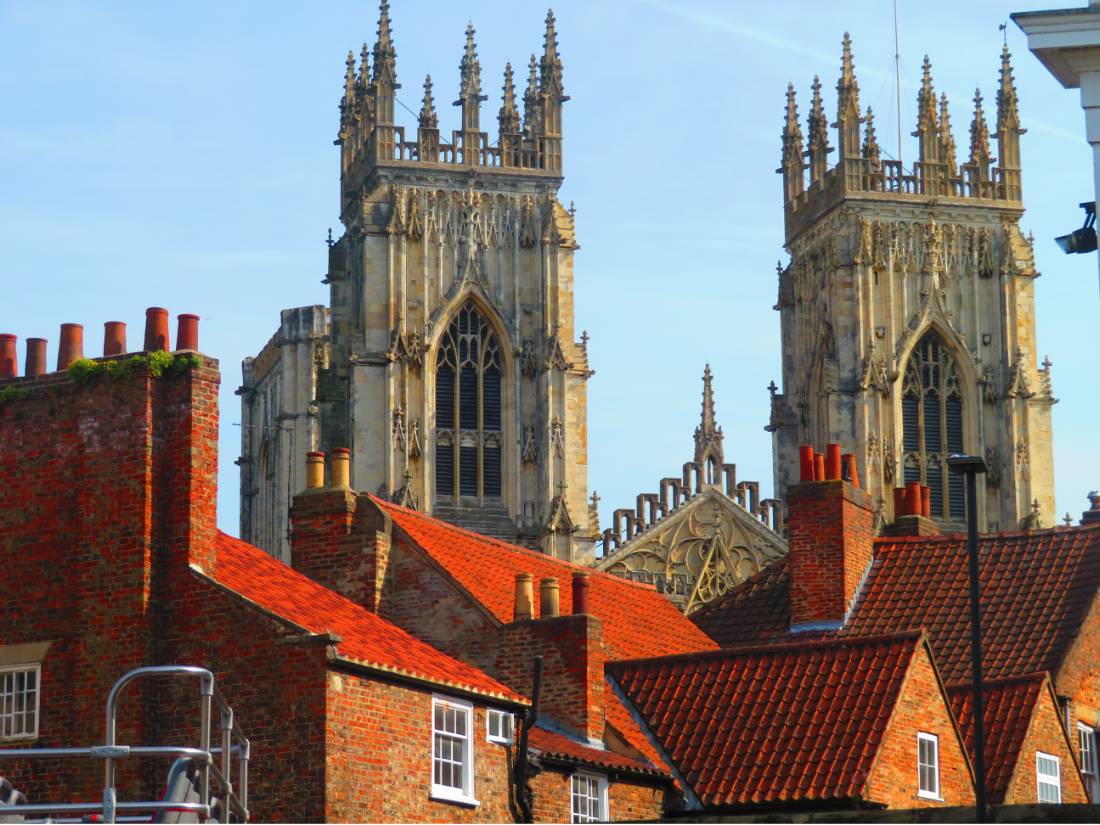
(970, 466)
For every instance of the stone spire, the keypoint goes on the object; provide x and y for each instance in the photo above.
(1008, 130)
(428, 118)
(509, 114)
(550, 73)
(980, 153)
(531, 116)
(948, 149)
(708, 435)
(551, 96)
(791, 163)
(469, 94)
(364, 66)
(927, 121)
(384, 76)
(847, 108)
(818, 135)
(871, 149)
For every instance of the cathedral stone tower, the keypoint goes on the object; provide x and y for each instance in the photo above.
(451, 368)
(907, 309)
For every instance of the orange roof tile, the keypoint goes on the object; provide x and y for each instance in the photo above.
(637, 620)
(1036, 590)
(760, 725)
(556, 745)
(1009, 705)
(366, 638)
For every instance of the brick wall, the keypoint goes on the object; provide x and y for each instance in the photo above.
(626, 801)
(1046, 734)
(830, 535)
(392, 783)
(921, 707)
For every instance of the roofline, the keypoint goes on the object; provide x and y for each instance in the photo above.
(965, 684)
(773, 647)
(758, 576)
(347, 663)
(373, 667)
(527, 551)
(837, 803)
(949, 538)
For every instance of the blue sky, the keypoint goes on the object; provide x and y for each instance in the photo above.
(181, 155)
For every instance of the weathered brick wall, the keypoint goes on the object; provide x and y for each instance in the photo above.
(921, 707)
(830, 534)
(379, 758)
(1045, 733)
(81, 534)
(627, 801)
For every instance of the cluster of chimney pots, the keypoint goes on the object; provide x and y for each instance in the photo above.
(914, 499)
(114, 343)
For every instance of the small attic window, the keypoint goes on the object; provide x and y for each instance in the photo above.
(499, 724)
(928, 766)
(19, 693)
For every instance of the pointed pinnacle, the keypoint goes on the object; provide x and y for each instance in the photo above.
(550, 39)
(947, 139)
(980, 153)
(871, 149)
(509, 115)
(550, 80)
(428, 119)
(470, 68)
(1007, 105)
(385, 57)
(926, 100)
(818, 123)
(707, 418)
(349, 74)
(364, 64)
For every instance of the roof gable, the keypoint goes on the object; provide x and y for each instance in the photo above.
(637, 620)
(365, 638)
(753, 726)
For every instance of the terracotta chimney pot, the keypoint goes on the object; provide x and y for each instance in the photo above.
(581, 581)
(926, 502)
(341, 467)
(187, 332)
(71, 347)
(549, 598)
(156, 329)
(901, 501)
(851, 469)
(805, 463)
(114, 338)
(912, 499)
(315, 470)
(36, 357)
(525, 598)
(819, 467)
(832, 462)
(9, 356)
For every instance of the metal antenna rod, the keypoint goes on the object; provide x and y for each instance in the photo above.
(897, 80)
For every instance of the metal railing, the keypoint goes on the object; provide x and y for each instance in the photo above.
(214, 764)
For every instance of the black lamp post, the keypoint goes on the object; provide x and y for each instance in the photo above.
(971, 466)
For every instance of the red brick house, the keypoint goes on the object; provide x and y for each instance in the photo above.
(804, 726)
(111, 559)
(1040, 616)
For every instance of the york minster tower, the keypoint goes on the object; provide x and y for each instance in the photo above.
(447, 360)
(907, 308)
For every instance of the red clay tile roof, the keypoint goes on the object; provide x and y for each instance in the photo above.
(1009, 705)
(637, 620)
(1036, 591)
(555, 745)
(367, 639)
(754, 726)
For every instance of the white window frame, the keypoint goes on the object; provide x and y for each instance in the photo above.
(1042, 779)
(601, 793)
(925, 793)
(1086, 733)
(447, 793)
(504, 719)
(26, 667)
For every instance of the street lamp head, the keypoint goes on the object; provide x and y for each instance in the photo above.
(1084, 239)
(964, 464)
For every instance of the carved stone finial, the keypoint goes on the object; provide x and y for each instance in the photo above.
(980, 153)
(509, 114)
(927, 121)
(532, 113)
(773, 390)
(550, 69)
(847, 95)
(385, 56)
(469, 94)
(947, 139)
(1008, 112)
(329, 241)
(871, 150)
(818, 134)
(1067, 520)
(708, 435)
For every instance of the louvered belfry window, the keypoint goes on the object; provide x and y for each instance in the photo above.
(932, 425)
(468, 390)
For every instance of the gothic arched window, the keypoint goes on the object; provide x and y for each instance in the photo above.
(932, 425)
(468, 374)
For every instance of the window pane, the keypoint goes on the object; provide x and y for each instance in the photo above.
(467, 478)
(953, 409)
(445, 397)
(468, 398)
(491, 399)
(444, 470)
(492, 470)
(911, 438)
(933, 474)
(933, 441)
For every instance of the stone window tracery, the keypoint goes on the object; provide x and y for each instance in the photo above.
(468, 408)
(932, 424)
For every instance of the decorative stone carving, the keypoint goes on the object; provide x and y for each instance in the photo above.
(993, 462)
(1018, 385)
(530, 448)
(415, 450)
(400, 434)
(555, 358)
(557, 438)
(528, 361)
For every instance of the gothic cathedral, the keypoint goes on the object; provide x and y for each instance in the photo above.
(447, 359)
(907, 309)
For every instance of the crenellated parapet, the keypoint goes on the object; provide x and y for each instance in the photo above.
(811, 187)
(370, 138)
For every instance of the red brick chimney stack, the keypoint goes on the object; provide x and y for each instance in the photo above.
(71, 347)
(114, 338)
(36, 357)
(830, 533)
(156, 330)
(187, 332)
(9, 356)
